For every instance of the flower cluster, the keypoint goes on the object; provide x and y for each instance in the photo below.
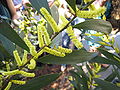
(91, 14)
(63, 50)
(32, 64)
(31, 47)
(73, 38)
(53, 52)
(18, 82)
(50, 20)
(43, 36)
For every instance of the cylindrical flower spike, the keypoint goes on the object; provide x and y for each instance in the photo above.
(28, 43)
(32, 64)
(26, 74)
(14, 72)
(50, 20)
(46, 36)
(40, 36)
(17, 58)
(33, 50)
(73, 38)
(18, 82)
(24, 59)
(91, 14)
(32, 47)
(63, 50)
(53, 52)
(8, 86)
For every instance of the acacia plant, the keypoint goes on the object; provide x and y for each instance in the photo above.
(15, 66)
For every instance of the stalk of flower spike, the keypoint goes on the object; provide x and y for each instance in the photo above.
(17, 58)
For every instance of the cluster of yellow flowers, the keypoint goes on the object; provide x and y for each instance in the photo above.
(31, 47)
(91, 14)
(43, 36)
(50, 19)
(53, 52)
(73, 38)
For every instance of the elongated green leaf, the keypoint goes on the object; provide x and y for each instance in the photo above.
(115, 59)
(37, 4)
(75, 57)
(38, 82)
(4, 52)
(103, 60)
(109, 55)
(77, 80)
(111, 77)
(84, 78)
(7, 44)
(72, 4)
(95, 24)
(57, 40)
(106, 85)
(8, 32)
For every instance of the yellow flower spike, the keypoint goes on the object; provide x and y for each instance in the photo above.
(24, 59)
(92, 7)
(17, 58)
(63, 50)
(38, 54)
(14, 72)
(53, 52)
(73, 38)
(33, 50)
(28, 43)
(8, 86)
(7, 66)
(50, 20)
(40, 36)
(26, 74)
(18, 82)
(46, 35)
(91, 14)
(32, 64)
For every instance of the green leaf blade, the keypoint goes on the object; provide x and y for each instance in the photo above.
(7, 31)
(75, 57)
(95, 24)
(38, 82)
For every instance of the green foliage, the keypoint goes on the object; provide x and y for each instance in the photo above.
(104, 85)
(95, 24)
(75, 57)
(82, 79)
(37, 4)
(38, 82)
(7, 31)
